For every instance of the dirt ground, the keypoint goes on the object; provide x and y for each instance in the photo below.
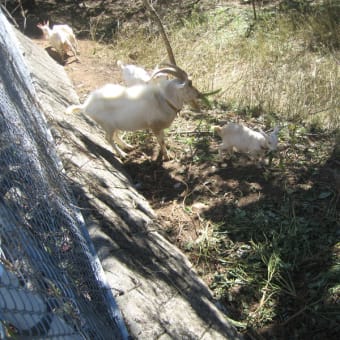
(193, 190)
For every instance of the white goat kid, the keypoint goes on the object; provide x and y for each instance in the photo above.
(132, 74)
(61, 38)
(245, 140)
(143, 106)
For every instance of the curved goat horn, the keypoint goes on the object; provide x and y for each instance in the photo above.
(174, 70)
(171, 56)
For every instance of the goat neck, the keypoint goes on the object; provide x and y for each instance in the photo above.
(170, 94)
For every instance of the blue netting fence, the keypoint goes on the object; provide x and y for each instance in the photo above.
(51, 282)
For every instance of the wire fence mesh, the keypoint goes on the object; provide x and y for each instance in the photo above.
(51, 282)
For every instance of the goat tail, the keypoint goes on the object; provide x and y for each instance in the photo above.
(217, 129)
(73, 109)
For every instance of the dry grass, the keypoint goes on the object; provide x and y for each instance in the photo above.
(278, 67)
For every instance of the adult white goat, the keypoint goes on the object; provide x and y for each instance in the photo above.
(245, 140)
(143, 106)
(61, 38)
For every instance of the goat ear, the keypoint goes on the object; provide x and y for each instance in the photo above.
(276, 130)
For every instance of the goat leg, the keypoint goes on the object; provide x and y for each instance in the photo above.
(121, 142)
(228, 151)
(69, 45)
(163, 153)
(118, 151)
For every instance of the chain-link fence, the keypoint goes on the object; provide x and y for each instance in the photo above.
(51, 282)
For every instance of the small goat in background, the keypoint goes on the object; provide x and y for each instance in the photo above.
(133, 75)
(61, 38)
(245, 140)
(151, 105)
